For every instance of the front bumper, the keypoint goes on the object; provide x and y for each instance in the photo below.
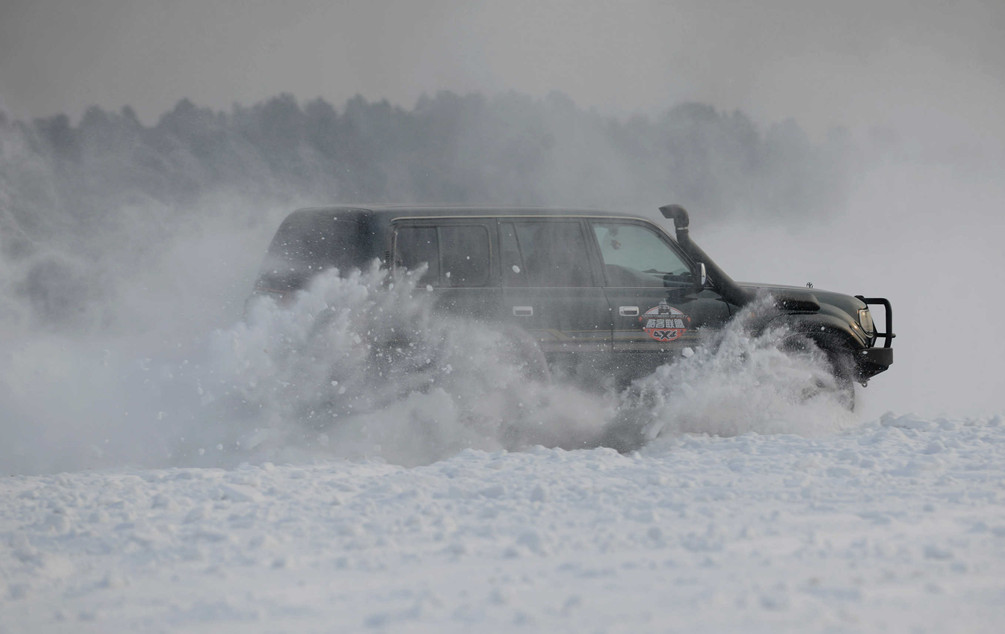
(871, 361)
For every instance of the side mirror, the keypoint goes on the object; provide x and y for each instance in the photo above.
(702, 276)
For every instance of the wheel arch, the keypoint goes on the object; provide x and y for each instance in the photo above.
(827, 331)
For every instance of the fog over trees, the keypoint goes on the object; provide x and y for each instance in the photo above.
(74, 198)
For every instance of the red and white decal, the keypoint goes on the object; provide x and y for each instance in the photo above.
(664, 322)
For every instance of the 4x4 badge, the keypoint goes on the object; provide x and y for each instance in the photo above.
(664, 322)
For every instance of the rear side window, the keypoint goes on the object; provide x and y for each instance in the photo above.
(456, 255)
(544, 253)
(464, 255)
(305, 245)
(415, 246)
(318, 241)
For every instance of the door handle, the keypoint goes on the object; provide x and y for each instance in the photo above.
(523, 311)
(628, 311)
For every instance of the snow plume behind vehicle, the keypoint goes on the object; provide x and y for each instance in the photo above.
(361, 367)
(115, 269)
(357, 368)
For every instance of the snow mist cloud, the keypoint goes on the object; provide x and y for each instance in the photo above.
(128, 252)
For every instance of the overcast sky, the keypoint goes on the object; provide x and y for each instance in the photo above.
(917, 64)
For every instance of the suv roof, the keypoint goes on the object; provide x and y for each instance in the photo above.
(387, 213)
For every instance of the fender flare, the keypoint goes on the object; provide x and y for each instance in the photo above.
(826, 331)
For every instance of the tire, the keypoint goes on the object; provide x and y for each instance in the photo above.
(843, 370)
(840, 365)
(522, 349)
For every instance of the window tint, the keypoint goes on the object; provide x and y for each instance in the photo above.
(513, 273)
(544, 253)
(415, 246)
(305, 245)
(635, 255)
(464, 255)
(317, 241)
(456, 255)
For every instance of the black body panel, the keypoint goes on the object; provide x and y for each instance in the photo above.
(581, 282)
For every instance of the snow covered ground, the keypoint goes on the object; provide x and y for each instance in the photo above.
(209, 491)
(159, 478)
(896, 525)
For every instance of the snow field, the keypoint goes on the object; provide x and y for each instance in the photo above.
(278, 475)
(897, 525)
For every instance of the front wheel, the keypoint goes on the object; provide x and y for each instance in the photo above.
(842, 368)
(836, 361)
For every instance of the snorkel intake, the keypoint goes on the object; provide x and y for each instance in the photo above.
(729, 289)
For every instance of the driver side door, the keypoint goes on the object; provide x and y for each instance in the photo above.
(652, 290)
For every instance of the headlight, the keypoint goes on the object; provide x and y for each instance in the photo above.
(865, 319)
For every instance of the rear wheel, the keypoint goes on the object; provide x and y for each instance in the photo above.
(523, 350)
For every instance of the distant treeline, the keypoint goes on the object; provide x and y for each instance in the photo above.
(506, 149)
(86, 208)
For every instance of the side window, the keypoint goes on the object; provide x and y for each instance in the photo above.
(513, 269)
(456, 255)
(415, 246)
(544, 253)
(316, 242)
(635, 255)
(464, 255)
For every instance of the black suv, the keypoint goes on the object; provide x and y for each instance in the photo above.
(609, 291)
